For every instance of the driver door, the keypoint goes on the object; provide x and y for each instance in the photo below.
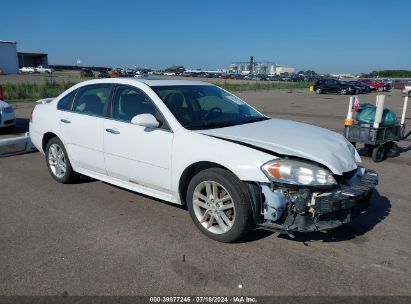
(133, 153)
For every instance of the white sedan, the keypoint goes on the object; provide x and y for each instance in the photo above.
(195, 144)
(7, 116)
(27, 70)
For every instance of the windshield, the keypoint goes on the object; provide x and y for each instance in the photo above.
(206, 106)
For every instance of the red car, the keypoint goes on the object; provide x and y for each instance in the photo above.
(377, 85)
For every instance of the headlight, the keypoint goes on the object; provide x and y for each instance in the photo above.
(297, 173)
(8, 110)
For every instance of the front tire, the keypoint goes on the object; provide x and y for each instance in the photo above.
(409, 94)
(344, 92)
(58, 162)
(219, 205)
(378, 153)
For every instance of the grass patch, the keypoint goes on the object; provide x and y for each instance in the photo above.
(260, 85)
(26, 91)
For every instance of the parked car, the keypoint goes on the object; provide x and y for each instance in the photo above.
(399, 84)
(330, 85)
(130, 73)
(7, 115)
(363, 88)
(103, 74)
(138, 74)
(85, 72)
(41, 69)
(377, 85)
(193, 143)
(296, 78)
(407, 90)
(27, 70)
(186, 74)
(114, 73)
(237, 76)
(263, 77)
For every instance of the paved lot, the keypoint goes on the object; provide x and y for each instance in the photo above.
(92, 238)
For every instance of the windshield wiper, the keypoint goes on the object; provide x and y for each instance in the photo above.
(255, 119)
(222, 124)
(211, 125)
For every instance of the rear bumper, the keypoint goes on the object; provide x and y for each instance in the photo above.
(328, 210)
(7, 120)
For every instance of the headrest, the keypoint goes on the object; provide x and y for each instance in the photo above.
(175, 100)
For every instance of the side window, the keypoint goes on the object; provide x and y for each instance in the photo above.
(65, 103)
(92, 99)
(129, 102)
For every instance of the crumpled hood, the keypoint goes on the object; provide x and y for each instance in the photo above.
(293, 138)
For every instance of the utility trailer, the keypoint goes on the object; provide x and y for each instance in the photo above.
(379, 141)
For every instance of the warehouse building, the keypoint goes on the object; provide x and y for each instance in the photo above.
(284, 70)
(8, 57)
(266, 68)
(259, 68)
(32, 59)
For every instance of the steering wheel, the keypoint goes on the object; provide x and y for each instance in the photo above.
(213, 110)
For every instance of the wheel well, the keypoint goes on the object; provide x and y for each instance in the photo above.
(46, 138)
(189, 173)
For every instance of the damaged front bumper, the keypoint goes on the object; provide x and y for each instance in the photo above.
(285, 208)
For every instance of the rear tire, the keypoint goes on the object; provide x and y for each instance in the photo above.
(58, 162)
(219, 205)
(381, 89)
(409, 94)
(318, 91)
(344, 92)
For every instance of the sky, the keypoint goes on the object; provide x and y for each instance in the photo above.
(344, 36)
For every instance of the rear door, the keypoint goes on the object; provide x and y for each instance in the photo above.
(82, 127)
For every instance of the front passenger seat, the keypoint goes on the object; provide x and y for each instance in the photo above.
(175, 103)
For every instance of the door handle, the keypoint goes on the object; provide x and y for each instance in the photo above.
(65, 121)
(112, 131)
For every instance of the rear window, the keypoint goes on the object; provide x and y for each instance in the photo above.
(65, 102)
(92, 99)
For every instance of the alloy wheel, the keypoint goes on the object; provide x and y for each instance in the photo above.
(213, 207)
(57, 160)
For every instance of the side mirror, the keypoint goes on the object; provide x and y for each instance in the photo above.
(145, 120)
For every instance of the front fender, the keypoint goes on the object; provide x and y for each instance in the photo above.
(190, 147)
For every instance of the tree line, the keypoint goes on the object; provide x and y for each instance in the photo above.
(391, 73)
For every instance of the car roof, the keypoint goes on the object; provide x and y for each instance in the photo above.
(148, 81)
